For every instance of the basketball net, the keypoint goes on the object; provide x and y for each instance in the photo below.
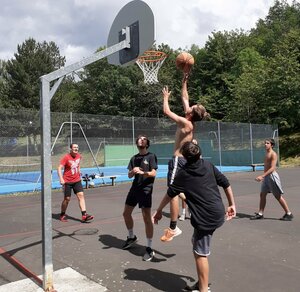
(150, 63)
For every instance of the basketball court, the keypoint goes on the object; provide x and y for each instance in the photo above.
(246, 255)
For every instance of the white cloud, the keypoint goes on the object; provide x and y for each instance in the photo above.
(79, 27)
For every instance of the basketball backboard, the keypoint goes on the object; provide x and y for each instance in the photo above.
(139, 18)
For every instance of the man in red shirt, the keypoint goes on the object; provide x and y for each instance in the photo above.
(71, 180)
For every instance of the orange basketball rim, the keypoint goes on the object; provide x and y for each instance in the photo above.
(150, 63)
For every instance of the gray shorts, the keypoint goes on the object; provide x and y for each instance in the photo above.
(272, 184)
(201, 242)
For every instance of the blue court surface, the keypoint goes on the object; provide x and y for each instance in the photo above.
(31, 181)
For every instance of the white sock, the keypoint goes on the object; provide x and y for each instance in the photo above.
(149, 242)
(131, 234)
(183, 211)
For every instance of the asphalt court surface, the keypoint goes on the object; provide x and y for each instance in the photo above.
(247, 255)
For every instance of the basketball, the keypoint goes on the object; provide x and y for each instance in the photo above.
(184, 61)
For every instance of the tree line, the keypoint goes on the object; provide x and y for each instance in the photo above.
(239, 76)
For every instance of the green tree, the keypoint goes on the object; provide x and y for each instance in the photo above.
(248, 88)
(31, 61)
(213, 70)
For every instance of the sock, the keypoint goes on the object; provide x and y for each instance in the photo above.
(130, 233)
(289, 213)
(173, 224)
(183, 211)
(149, 242)
(83, 213)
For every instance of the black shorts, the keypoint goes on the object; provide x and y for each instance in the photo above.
(143, 198)
(76, 187)
(174, 165)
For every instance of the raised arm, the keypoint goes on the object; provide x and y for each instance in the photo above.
(166, 107)
(184, 94)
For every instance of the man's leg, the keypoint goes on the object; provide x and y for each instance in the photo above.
(64, 204)
(262, 205)
(63, 209)
(127, 215)
(174, 211)
(202, 267)
(262, 202)
(283, 204)
(148, 256)
(81, 201)
(173, 230)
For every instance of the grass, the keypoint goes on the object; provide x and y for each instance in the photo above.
(290, 150)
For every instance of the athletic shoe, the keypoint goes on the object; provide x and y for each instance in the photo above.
(170, 234)
(129, 242)
(257, 216)
(182, 217)
(195, 287)
(287, 217)
(63, 218)
(86, 218)
(148, 256)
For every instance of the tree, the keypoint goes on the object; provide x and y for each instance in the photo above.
(31, 61)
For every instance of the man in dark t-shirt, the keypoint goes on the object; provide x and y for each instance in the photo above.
(199, 180)
(142, 167)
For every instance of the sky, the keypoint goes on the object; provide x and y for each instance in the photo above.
(80, 27)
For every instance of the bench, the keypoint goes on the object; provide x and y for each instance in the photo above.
(254, 165)
(112, 177)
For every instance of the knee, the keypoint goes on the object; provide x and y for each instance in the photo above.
(80, 196)
(67, 200)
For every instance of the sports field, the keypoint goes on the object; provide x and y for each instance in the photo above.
(246, 255)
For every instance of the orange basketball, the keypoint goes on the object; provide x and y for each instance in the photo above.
(184, 61)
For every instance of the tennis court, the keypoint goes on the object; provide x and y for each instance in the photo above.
(30, 181)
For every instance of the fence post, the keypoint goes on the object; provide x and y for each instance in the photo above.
(71, 129)
(133, 136)
(219, 142)
(251, 143)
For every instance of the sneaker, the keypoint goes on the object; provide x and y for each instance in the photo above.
(170, 234)
(129, 242)
(195, 287)
(257, 216)
(148, 256)
(63, 218)
(86, 218)
(287, 217)
(182, 217)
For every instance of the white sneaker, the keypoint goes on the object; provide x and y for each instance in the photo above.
(182, 217)
(170, 234)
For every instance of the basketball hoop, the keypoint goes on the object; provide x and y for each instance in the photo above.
(150, 64)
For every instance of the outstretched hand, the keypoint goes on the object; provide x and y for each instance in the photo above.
(166, 92)
(156, 216)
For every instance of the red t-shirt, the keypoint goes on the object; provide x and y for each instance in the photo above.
(71, 168)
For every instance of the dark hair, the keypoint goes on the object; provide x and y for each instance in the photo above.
(272, 141)
(71, 145)
(140, 136)
(199, 113)
(190, 151)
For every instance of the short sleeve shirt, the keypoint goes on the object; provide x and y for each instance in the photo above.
(71, 168)
(146, 163)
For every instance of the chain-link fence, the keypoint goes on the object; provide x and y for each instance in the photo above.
(224, 144)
